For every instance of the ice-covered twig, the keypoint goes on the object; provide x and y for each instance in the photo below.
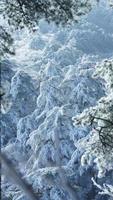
(105, 189)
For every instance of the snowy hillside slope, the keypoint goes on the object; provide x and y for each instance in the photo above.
(50, 81)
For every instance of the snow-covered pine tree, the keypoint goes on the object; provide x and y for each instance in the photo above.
(18, 14)
(99, 143)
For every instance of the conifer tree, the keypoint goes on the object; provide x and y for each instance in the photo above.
(98, 145)
(27, 13)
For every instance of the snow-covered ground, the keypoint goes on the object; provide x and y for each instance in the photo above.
(47, 83)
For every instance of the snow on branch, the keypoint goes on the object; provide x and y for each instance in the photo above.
(106, 189)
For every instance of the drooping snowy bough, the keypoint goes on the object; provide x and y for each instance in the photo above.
(18, 14)
(22, 13)
(99, 144)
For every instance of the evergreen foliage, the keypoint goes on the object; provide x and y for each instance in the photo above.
(27, 13)
(99, 144)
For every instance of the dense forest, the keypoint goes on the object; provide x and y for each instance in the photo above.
(56, 62)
